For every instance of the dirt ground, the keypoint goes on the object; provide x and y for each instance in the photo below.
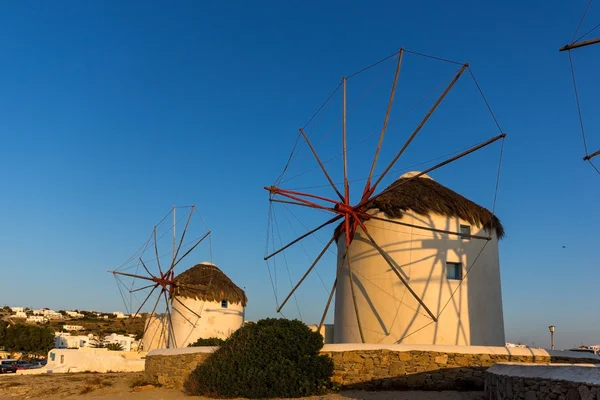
(122, 386)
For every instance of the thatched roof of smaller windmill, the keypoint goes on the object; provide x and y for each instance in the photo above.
(206, 282)
(424, 196)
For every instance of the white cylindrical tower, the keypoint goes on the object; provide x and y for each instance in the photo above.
(155, 333)
(217, 305)
(457, 278)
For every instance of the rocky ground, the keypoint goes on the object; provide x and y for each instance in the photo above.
(120, 386)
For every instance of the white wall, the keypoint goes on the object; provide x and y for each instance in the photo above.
(390, 314)
(214, 320)
(87, 359)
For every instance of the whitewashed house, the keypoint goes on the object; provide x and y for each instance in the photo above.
(54, 315)
(128, 342)
(72, 327)
(17, 309)
(20, 314)
(64, 340)
(37, 319)
(74, 314)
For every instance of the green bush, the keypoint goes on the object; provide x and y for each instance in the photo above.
(212, 341)
(272, 358)
(115, 347)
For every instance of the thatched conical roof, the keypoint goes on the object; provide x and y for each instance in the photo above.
(206, 282)
(425, 196)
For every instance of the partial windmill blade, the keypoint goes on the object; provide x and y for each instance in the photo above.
(385, 122)
(132, 275)
(590, 156)
(145, 300)
(443, 163)
(142, 288)
(170, 330)
(314, 152)
(337, 276)
(331, 221)
(346, 198)
(187, 223)
(150, 319)
(306, 274)
(156, 252)
(144, 265)
(421, 124)
(579, 44)
(189, 251)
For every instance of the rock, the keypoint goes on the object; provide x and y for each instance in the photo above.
(584, 392)
(143, 388)
(397, 368)
(350, 356)
(530, 396)
(404, 356)
(443, 359)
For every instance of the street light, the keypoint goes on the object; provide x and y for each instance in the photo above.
(551, 327)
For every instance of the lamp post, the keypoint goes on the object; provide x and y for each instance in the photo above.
(551, 328)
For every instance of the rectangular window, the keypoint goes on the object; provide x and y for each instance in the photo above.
(454, 270)
(223, 303)
(62, 359)
(465, 230)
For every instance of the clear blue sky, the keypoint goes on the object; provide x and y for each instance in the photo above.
(111, 112)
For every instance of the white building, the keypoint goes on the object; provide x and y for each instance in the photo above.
(19, 314)
(63, 340)
(38, 319)
(119, 314)
(127, 342)
(74, 314)
(17, 309)
(456, 277)
(39, 311)
(516, 345)
(53, 315)
(212, 296)
(72, 327)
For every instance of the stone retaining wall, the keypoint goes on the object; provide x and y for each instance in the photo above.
(363, 366)
(424, 370)
(534, 381)
(170, 368)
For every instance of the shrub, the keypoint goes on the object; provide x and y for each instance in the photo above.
(115, 347)
(272, 358)
(212, 341)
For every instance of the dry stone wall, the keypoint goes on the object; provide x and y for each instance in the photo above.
(424, 370)
(170, 369)
(532, 382)
(367, 367)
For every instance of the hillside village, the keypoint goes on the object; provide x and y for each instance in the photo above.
(78, 328)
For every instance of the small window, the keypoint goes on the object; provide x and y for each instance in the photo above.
(465, 230)
(62, 359)
(454, 270)
(223, 303)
